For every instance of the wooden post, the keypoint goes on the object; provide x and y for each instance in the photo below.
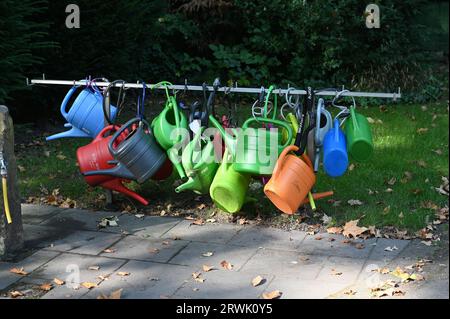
(11, 235)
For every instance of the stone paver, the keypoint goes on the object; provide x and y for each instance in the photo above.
(224, 284)
(336, 245)
(78, 219)
(299, 288)
(145, 280)
(148, 226)
(268, 238)
(73, 269)
(29, 264)
(33, 214)
(285, 263)
(158, 256)
(193, 255)
(208, 233)
(146, 249)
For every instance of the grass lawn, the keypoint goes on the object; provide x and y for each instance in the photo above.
(396, 187)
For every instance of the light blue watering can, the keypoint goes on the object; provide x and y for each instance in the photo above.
(86, 117)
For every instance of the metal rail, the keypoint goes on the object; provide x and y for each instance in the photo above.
(235, 89)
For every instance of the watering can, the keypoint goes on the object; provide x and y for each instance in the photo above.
(85, 117)
(249, 143)
(199, 165)
(291, 181)
(166, 122)
(335, 157)
(324, 122)
(96, 156)
(229, 187)
(138, 153)
(359, 136)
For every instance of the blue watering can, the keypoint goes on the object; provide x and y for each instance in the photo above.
(335, 157)
(86, 117)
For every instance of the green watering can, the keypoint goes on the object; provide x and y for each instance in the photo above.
(164, 126)
(252, 149)
(229, 187)
(199, 165)
(359, 136)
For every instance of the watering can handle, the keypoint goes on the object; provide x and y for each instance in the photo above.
(66, 101)
(353, 115)
(121, 130)
(104, 131)
(266, 102)
(276, 122)
(279, 165)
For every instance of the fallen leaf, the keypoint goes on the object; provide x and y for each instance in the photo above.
(19, 271)
(88, 285)
(383, 271)
(211, 220)
(389, 190)
(200, 280)
(59, 282)
(360, 246)
(165, 243)
(334, 272)
(242, 221)
(350, 292)
(326, 219)
(196, 275)
(153, 250)
(351, 167)
(140, 216)
(21, 168)
(208, 254)
(354, 202)
(422, 130)
(422, 163)
(198, 222)
(46, 287)
(109, 251)
(225, 264)
(392, 181)
(201, 206)
(61, 157)
(207, 268)
(272, 295)
(334, 230)
(258, 280)
(114, 295)
(94, 268)
(16, 293)
(351, 229)
(318, 238)
(123, 273)
(426, 243)
(389, 248)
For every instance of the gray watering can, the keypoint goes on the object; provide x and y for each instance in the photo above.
(138, 154)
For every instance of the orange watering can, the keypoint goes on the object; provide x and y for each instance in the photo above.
(292, 179)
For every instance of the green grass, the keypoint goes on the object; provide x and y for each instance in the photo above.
(398, 149)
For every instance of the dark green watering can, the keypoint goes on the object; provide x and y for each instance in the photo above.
(199, 165)
(255, 151)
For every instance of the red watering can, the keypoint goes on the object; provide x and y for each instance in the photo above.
(96, 156)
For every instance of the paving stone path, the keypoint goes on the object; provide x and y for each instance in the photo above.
(155, 257)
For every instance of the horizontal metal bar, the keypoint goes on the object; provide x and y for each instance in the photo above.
(221, 89)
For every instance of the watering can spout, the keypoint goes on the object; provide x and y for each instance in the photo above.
(191, 184)
(73, 132)
(118, 171)
(230, 141)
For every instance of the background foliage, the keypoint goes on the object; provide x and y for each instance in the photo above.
(318, 43)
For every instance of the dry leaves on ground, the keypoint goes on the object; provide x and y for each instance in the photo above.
(19, 271)
(16, 293)
(88, 285)
(46, 287)
(207, 268)
(123, 273)
(354, 202)
(208, 254)
(272, 295)
(226, 265)
(258, 280)
(114, 295)
(59, 282)
(334, 230)
(351, 229)
(198, 222)
(109, 251)
(95, 268)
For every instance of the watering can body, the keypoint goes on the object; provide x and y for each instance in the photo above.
(85, 117)
(166, 122)
(199, 165)
(335, 157)
(138, 153)
(324, 123)
(96, 156)
(255, 151)
(359, 136)
(229, 187)
(291, 181)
